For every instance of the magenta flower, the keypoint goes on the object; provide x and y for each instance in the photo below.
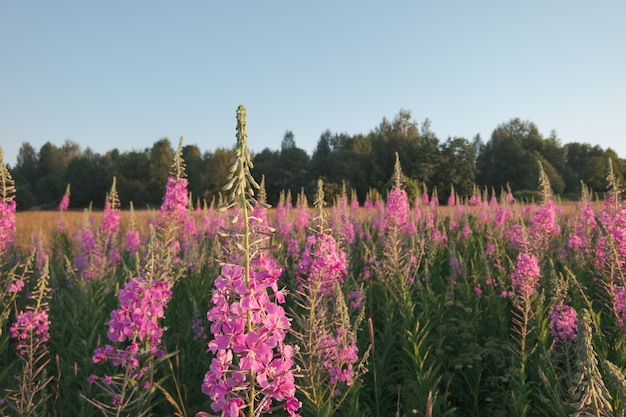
(31, 328)
(132, 242)
(619, 306)
(16, 286)
(90, 260)
(526, 276)
(397, 210)
(211, 223)
(281, 222)
(611, 246)
(111, 220)
(65, 202)
(7, 223)
(248, 325)
(323, 263)
(544, 226)
(175, 202)
(466, 231)
(142, 304)
(563, 323)
(302, 216)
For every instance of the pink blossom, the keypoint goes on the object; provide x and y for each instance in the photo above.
(16, 286)
(322, 262)
(619, 306)
(30, 329)
(175, 202)
(245, 322)
(544, 225)
(397, 210)
(132, 242)
(563, 323)
(478, 291)
(65, 202)
(526, 276)
(7, 223)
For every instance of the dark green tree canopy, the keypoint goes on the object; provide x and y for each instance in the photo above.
(362, 162)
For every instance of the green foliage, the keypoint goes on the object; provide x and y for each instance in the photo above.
(362, 161)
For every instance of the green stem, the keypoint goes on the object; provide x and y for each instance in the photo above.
(246, 255)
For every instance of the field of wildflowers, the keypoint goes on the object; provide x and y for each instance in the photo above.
(484, 307)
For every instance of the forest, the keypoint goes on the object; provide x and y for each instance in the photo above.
(361, 164)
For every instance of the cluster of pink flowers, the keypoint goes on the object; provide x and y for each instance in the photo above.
(397, 212)
(111, 220)
(90, 261)
(7, 223)
(474, 200)
(563, 323)
(64, 204)
(526, 276)
(302, 218)
(544, 226)
(356, 299)
(211, 223)
(15, 286)
(281, 221)
(342, 221)
(109, 229)
(585, 225)
(619, 306)
(175, 202)
(31, 328)
(142, 304)
(337, 354)
(132, 243)
(611, 247)
(517, 237)
(322, 262)
(248, 339)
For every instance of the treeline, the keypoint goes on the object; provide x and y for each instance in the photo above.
(362, 163)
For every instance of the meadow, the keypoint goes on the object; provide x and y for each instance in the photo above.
(480, 307)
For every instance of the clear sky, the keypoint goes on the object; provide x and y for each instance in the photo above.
(124, 74)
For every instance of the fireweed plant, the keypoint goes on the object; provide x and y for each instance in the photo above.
(525, 281)
(97, 249)
(11, 282)
(328, 357)
(135, 328)
(251, 369)
(31, 330)
(24, 387)
(64, 205)
(399, 294)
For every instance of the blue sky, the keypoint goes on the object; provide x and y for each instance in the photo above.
(124, 74)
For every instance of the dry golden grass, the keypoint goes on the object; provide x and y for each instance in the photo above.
(43, 223)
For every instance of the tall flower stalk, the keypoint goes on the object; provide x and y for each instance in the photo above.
(13, 280)
(31, 330)
(329, 357)
(591, 397)
(64, 204)
(251, 369)
(7, 206)
(135, 329)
